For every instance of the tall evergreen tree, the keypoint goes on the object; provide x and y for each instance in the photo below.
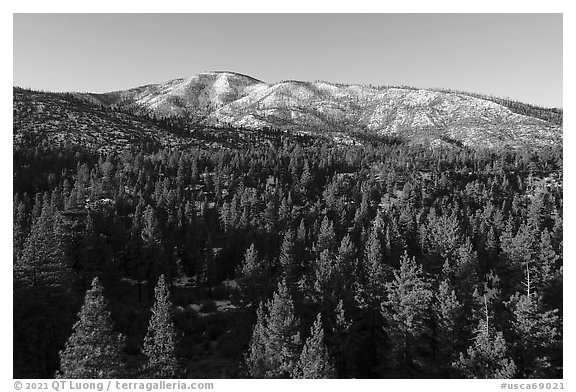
(538, 334)
(301, 233)
(275, 342)
(19, 228)
(315, 361)
(93, 350)
(251, 274)
(306, 179)
(160, 342)
(449, 313)
(256, 358)
(487, 357)
(407, 311)
(375, 271)
(287, 257)
(43, 261)
(326, 236)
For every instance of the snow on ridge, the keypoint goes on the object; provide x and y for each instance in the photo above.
(230, 98)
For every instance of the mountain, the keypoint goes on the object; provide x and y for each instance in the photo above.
(65, 119)
(197, 96)
(227, 100)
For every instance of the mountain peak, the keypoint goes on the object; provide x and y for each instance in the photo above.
(232, 99)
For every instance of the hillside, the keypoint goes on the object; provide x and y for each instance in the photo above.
(61, 119)
(419, 116)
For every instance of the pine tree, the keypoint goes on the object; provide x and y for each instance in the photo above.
(224, 216)
(461, 268)
(407, 312)
(363, 212)
(89, 241)
(546, 266)
(342, 343)
(376, 272)
(326, 236)
(256, 358)
(284, 212)
(20, 227)
(43, 261)
(287, 257)
(93, 350)
(150, 231)
(301, 234)
(271, 217)
(443, 235)
(448, 312)
(487, 357)
(326, 278)
(153, 253)
(315, 361)
(346, 259)
(251, 274)
(160, 341)
(538, 334)
(283, 331)
(306, 179)
(275, 342)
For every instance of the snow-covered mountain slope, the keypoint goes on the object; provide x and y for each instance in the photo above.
(62, 120)
(198, 95)
(235, 100)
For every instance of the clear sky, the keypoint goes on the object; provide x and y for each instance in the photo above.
(508, 55)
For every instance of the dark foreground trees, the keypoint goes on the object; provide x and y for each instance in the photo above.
(94, 350)
(275, 342)
(160, 343)
(315, 360)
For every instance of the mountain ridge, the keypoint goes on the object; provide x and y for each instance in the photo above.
(225, 99)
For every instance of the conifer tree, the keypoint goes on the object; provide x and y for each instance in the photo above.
(160, 341)
(43, 261)
(341, 341)
(283, 331)
(256, 358)
(487, 357)
(449, 312)
(152, 258)
(326, 236)
(306, 179)
(461, 268)
(326, 278)
(271, 217)
(93, 350)
(538, 334)
(546, 265)
(275, 342)
(89, 240)
(315, 361)
(301, 234)
(20, 227)
(407, 311)
(284, 212)
(376, 272)
(346, 259)
(251, 275)
(287, 257)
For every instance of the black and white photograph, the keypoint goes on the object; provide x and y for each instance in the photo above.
(287, 196)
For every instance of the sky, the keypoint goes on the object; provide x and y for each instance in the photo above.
(507, 55)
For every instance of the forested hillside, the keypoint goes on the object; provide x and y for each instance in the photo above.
(287, 257)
